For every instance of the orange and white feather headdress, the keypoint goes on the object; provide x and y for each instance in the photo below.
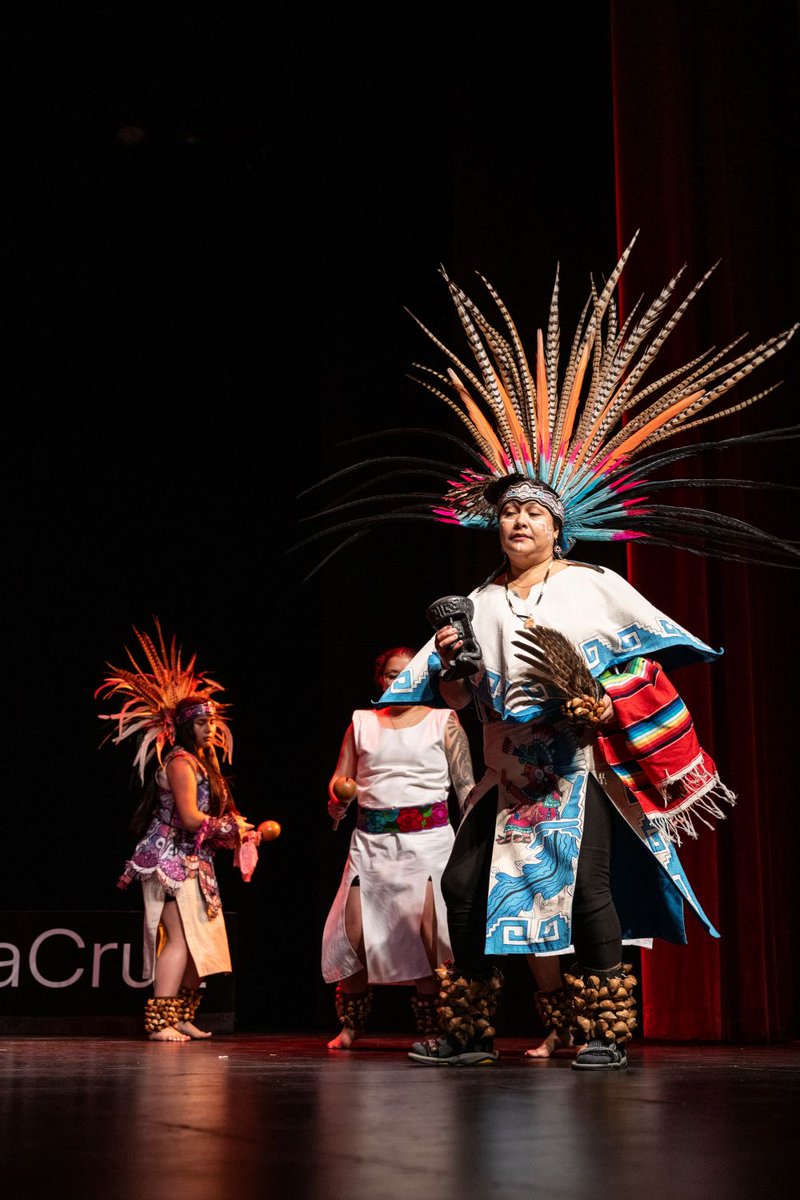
(593, 430)
(151, 697)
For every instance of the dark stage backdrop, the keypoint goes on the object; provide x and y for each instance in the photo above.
(218, 220)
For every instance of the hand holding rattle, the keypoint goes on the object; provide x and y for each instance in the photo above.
(344, 789)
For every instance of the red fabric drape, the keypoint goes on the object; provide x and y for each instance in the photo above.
(705, 124)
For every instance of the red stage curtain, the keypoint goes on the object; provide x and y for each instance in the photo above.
(706, 155)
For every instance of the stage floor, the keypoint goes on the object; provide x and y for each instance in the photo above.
(282, 1117)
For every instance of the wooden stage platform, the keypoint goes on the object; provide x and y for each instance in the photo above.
(282, 1118)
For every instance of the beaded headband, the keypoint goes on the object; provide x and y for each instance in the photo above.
(524, 492)
(204, 708)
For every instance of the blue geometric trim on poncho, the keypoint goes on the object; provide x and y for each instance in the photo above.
(674, 647)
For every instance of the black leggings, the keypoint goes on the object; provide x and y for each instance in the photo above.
(596, 933)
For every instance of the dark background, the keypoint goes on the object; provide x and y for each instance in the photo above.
(218, 214)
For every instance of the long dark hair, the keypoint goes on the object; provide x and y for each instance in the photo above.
(221, 800)
(220, 797)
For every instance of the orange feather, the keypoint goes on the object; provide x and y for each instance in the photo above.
(574, 396)
(542, 403)
(479, 420)
(590, 435)
(517, 432)
(642, 434)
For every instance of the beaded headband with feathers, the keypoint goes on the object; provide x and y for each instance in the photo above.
(151, 698)
(581, 433)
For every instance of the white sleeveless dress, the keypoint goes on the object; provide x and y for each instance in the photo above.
(397, 768)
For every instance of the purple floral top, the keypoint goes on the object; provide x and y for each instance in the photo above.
(173, 853)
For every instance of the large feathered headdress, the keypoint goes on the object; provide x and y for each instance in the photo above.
(152, 697)
(594, 432)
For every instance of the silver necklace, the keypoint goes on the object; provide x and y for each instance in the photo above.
(526, 618)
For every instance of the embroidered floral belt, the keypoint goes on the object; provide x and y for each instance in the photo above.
(403, 820)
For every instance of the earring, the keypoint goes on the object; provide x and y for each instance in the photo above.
(557, 551)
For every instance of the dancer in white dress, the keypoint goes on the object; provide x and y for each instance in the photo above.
(388, 923)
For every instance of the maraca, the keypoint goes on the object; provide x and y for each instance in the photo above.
(344, 789)
(269, 830)
(246, 854)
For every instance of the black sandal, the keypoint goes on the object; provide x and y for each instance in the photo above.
(441, 1052)
(598, 1055)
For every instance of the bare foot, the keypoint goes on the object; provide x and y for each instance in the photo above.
(170, 1034)
(554, 1041)
(192, 1031)
(344, 1040)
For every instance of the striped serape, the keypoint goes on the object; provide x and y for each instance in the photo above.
(653, 748)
